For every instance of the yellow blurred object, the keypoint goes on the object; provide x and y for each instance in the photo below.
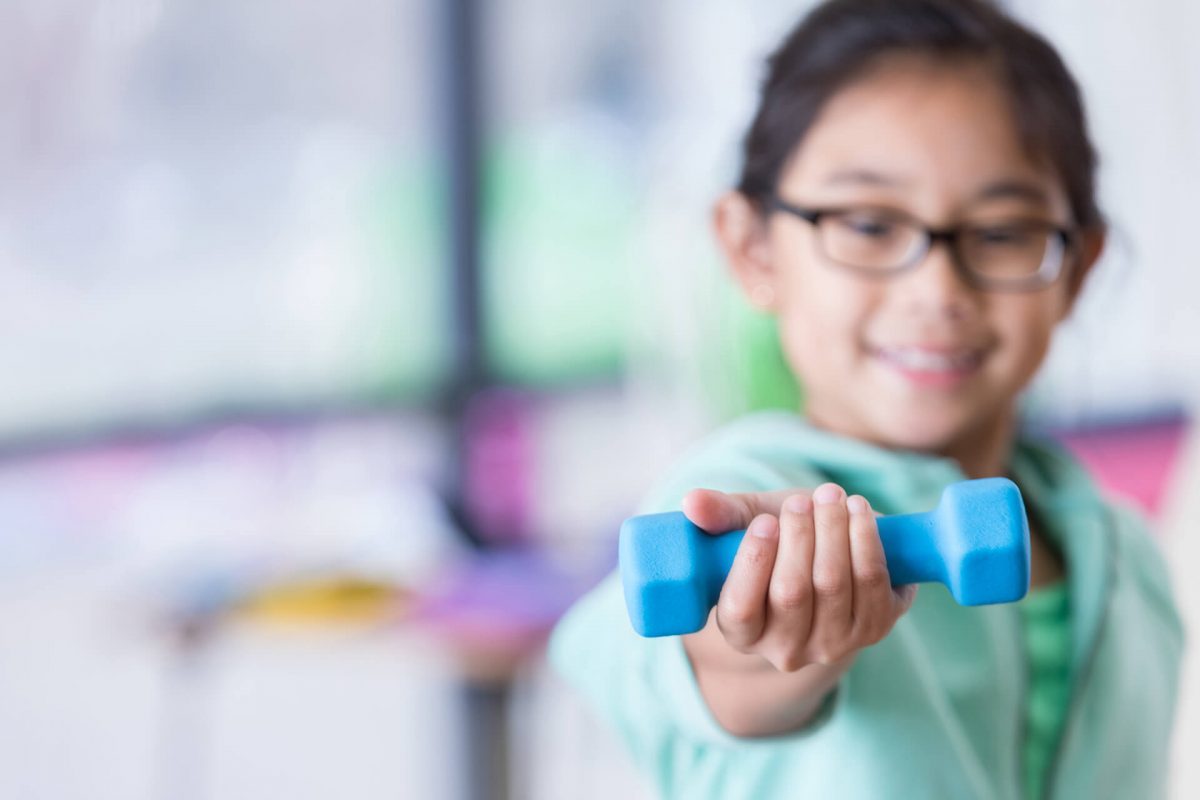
(328, 600)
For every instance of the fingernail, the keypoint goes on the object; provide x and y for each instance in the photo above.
(762, 527)
(798, 504)
(827, 494)
(857, 505)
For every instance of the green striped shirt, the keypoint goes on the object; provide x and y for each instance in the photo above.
(1046, 629)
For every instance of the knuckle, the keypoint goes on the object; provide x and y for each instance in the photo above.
(789, 662)
(791, 594)
(749, 507)
(822, 655)
(830, 584)
(734, 612)
(829, 653)
(873, 576)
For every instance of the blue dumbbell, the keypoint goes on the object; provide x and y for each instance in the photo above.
(976, 542)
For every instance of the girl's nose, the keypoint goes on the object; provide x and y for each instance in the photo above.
(937, 286)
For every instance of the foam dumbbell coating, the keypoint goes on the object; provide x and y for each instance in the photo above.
(976, 542)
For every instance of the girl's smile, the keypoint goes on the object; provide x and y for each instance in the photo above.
(930, 364)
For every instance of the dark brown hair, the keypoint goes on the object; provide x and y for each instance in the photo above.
(840, 39)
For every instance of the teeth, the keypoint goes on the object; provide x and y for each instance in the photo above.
(930, 362)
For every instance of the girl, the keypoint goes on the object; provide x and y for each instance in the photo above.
(917, 210)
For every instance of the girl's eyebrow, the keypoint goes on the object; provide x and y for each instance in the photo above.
(1010, 188)
(864, 176)
(1014, 189)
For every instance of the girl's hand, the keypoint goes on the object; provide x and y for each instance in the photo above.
(809, 584)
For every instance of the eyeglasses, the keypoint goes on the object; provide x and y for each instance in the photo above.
(1017, 255)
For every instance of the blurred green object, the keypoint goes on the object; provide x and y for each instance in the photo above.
(560, 210)
(745, 368)
(408, 347)
(558, 218)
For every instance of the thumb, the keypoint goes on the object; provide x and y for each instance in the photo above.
(718, 512)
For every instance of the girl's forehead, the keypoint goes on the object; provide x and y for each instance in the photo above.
(916, 126)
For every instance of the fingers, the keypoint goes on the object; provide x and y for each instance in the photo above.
(790, 595)
(810, 582)
(832, 578)
(873, 596)
(742, 606)
(717, 512)
(791, 584)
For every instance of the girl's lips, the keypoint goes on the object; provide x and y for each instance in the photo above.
(931, 366)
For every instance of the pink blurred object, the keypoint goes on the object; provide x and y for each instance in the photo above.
(1133, 460)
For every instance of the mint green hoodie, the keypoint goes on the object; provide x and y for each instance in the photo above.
(935, 710)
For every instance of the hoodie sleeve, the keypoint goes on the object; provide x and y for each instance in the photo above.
(645, 688)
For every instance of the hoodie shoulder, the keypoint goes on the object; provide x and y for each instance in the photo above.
(758, 452)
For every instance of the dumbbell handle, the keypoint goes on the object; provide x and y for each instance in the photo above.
(908, 546)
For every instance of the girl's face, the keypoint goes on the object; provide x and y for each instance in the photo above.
(920, 360)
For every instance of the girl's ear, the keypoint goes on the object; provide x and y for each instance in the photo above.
(1091, 246)
(741, 231)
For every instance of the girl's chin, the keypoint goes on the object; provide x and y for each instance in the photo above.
(898, 431)
(920, 433)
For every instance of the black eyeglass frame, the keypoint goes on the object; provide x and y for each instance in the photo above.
(1067, 237)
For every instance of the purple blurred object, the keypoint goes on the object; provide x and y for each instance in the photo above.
(501, 597)
(499, 462)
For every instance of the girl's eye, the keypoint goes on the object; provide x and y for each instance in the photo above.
(1007, 236)
(869, 227)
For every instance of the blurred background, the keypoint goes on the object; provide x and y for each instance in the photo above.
(338, 338)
